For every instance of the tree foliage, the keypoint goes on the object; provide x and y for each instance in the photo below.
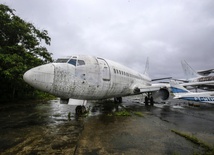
(20, 49)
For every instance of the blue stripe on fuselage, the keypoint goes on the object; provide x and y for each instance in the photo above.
(178, 90)
(199, 99)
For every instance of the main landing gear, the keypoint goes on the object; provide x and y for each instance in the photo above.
(80, 109)
(117, 99)
(149, 99)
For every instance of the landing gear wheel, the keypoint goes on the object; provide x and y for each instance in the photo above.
(151, 101)
(146, 101)
(83, 109)
(80, 110)
(118, 100)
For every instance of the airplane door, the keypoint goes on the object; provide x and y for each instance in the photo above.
(104, 69)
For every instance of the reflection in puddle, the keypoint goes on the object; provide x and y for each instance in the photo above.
(38, 128)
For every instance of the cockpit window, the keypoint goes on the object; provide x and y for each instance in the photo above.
(80, 62)
(61, 60)
(72, 61)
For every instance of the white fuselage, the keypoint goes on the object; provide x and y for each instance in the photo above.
(206, 97)
(86, 77)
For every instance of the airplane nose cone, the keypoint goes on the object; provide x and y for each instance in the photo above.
(40, 77)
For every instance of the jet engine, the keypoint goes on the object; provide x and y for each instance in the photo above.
(163, 94)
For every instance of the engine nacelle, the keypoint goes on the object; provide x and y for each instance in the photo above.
(163, 94)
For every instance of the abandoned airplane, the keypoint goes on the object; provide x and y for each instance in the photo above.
(91, 78)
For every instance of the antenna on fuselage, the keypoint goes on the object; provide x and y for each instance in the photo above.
(147, 67)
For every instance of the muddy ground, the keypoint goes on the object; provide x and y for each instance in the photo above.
(45, 128)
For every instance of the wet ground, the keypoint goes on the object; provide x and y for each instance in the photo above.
(53, 128)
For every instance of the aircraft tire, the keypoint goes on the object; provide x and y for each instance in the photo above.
(151, 101)
(83, 109)
(80, 110)
(146, 101)
(118, 100)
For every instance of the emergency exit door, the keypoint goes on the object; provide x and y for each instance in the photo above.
(104, 69)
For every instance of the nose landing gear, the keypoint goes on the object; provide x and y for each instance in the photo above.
(80, 109)
(149, 99)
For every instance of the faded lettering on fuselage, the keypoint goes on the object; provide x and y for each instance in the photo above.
(203, 99)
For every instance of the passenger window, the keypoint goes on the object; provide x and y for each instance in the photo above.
(72, 62)
(80, 62)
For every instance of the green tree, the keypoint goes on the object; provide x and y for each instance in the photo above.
(20, 49)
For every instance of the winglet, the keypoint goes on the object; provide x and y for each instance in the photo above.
(147, 67)
(188, 70)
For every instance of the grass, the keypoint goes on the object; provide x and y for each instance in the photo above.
(122, 113)
(209, 150)
(138, 113)
(110, 115)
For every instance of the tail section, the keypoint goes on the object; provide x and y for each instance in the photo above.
(188, 70)
(147, 67)
(177, 89)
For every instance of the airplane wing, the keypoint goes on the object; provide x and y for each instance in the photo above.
(205, 72)
(197, 83)
(165, 78)
(154, 87)
(203, 86)
(162, 90)
(158, 86)
(207, 87)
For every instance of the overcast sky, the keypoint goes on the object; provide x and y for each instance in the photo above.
(128, 31)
